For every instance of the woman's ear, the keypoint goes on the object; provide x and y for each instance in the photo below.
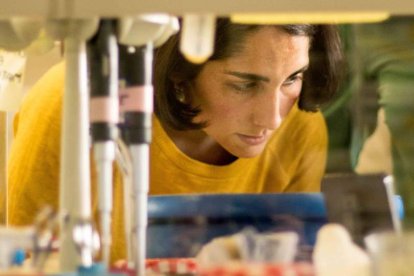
(181, 88)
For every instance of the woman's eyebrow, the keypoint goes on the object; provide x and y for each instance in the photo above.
(255, 77)
(248, 76)
(301, 70)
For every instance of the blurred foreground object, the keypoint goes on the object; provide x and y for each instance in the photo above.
(180, 225)
(251, 247)
(392, 253)
(336, 254)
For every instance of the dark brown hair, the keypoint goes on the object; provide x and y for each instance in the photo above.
(321, 80)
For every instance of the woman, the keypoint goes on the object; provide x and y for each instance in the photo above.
(231, 125)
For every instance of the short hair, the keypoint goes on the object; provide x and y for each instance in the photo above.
(321, 80)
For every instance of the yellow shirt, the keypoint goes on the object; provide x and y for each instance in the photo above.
(293, 161)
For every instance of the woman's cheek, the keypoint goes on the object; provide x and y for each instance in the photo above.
(287, 104)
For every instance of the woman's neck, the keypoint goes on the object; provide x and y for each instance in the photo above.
(197, 145)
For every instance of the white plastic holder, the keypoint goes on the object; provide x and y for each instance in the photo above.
(142, 29)
(197, 37)
(18, 33)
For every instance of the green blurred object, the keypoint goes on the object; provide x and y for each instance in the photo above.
(380, 74)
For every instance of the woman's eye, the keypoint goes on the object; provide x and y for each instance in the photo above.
(293, 80)
(243, 87)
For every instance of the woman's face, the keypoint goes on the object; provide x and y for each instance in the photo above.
(244, 98)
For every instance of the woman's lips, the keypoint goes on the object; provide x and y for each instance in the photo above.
(252, 140)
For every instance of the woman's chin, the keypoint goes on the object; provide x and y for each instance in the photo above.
(248, 153)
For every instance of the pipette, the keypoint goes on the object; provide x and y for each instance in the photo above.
(103, 64)
(139, 35)
(136, 131)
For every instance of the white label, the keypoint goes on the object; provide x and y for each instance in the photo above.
(12, 65)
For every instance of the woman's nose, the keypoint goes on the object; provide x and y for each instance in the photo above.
(267, 112)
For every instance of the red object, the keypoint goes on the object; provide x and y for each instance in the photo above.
(189, 266)
(243, 269)
(163, 266)
(174, 266)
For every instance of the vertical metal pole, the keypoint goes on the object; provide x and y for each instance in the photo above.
(3, 166)
(75, 173)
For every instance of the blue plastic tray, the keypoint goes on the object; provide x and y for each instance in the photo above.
(180, 225)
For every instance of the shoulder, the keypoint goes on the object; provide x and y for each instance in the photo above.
(46, 94)
(49, 85)
(40, 111)
(299, 121)
(300, 129)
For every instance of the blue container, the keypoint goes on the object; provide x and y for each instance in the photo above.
(180, 225)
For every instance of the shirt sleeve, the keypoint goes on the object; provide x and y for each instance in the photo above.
(310, 154)
(33, 165)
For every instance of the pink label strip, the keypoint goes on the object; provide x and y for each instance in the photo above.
(103, 109)
(136, 99)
